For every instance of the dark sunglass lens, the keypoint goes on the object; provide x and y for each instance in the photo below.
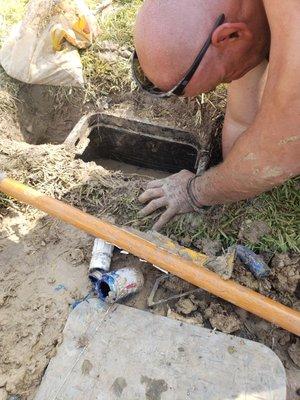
(142, 81)
(139, 75)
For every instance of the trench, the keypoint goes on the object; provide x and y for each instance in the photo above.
(155, 152)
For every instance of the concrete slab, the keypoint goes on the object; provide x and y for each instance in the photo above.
(124, 353)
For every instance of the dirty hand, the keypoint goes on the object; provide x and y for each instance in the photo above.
(169, 192)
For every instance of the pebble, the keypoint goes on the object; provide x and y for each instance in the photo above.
(185, 306)
(225, 323)
(221, 320)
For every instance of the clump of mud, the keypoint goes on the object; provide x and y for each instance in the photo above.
(282, 283)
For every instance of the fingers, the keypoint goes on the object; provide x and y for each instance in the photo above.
(153, 206)
(155, 184)
(151, 194)
(165, 217)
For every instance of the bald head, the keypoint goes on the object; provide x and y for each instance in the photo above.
(169, 35)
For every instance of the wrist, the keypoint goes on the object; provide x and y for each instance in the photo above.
(192, 195)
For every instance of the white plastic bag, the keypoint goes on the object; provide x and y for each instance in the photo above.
(40, 49)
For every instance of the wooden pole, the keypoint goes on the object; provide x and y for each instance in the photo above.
(231, 291)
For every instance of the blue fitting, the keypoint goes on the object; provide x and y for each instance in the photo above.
(253, 262)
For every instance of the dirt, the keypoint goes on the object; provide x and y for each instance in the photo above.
(118, 386)
(209, 247)
(114, 165)
(48, 114)
(44, 268)
(286, 272)
(281, 285)
(203, 309)
(39, 283)
(154, 387)
(222, 265)
(221, 320)
(294, 352)
(185, 306)
(197, 320)
(253, 231)
(44, 263)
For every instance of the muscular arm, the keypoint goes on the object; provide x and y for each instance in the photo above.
(267, 153)
(261, 136)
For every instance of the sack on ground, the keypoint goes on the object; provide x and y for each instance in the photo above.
(43, 48)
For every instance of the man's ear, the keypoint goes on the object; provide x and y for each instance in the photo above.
(230, 32)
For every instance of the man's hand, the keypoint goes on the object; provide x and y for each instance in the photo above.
(169, 192)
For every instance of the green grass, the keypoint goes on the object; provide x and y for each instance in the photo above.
(11, 11)
(104, 77)
(118, 27)
(279, 209)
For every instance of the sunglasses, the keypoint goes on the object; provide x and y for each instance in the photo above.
(145, 84)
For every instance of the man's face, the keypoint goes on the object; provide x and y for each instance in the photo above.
(230, 65)
(205, 80)
(167, 44)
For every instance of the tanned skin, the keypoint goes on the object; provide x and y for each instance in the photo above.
(261, 133)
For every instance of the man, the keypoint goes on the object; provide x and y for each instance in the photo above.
(254, 44)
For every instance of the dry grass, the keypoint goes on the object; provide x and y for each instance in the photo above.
(53, 171)
(118, 27)
(11, 11)
(8, 105)
(106, 64)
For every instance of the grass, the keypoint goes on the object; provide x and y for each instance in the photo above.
(11, 11)
(118, 26)
(104, 77)
(279, 209)
(52, 170)
(108, 72)
(108, 76)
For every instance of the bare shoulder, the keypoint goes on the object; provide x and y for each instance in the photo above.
(253, 82)
(284, 20)
(245, 94)
(278, 9)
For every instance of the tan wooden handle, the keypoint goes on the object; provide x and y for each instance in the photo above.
(231, 291)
